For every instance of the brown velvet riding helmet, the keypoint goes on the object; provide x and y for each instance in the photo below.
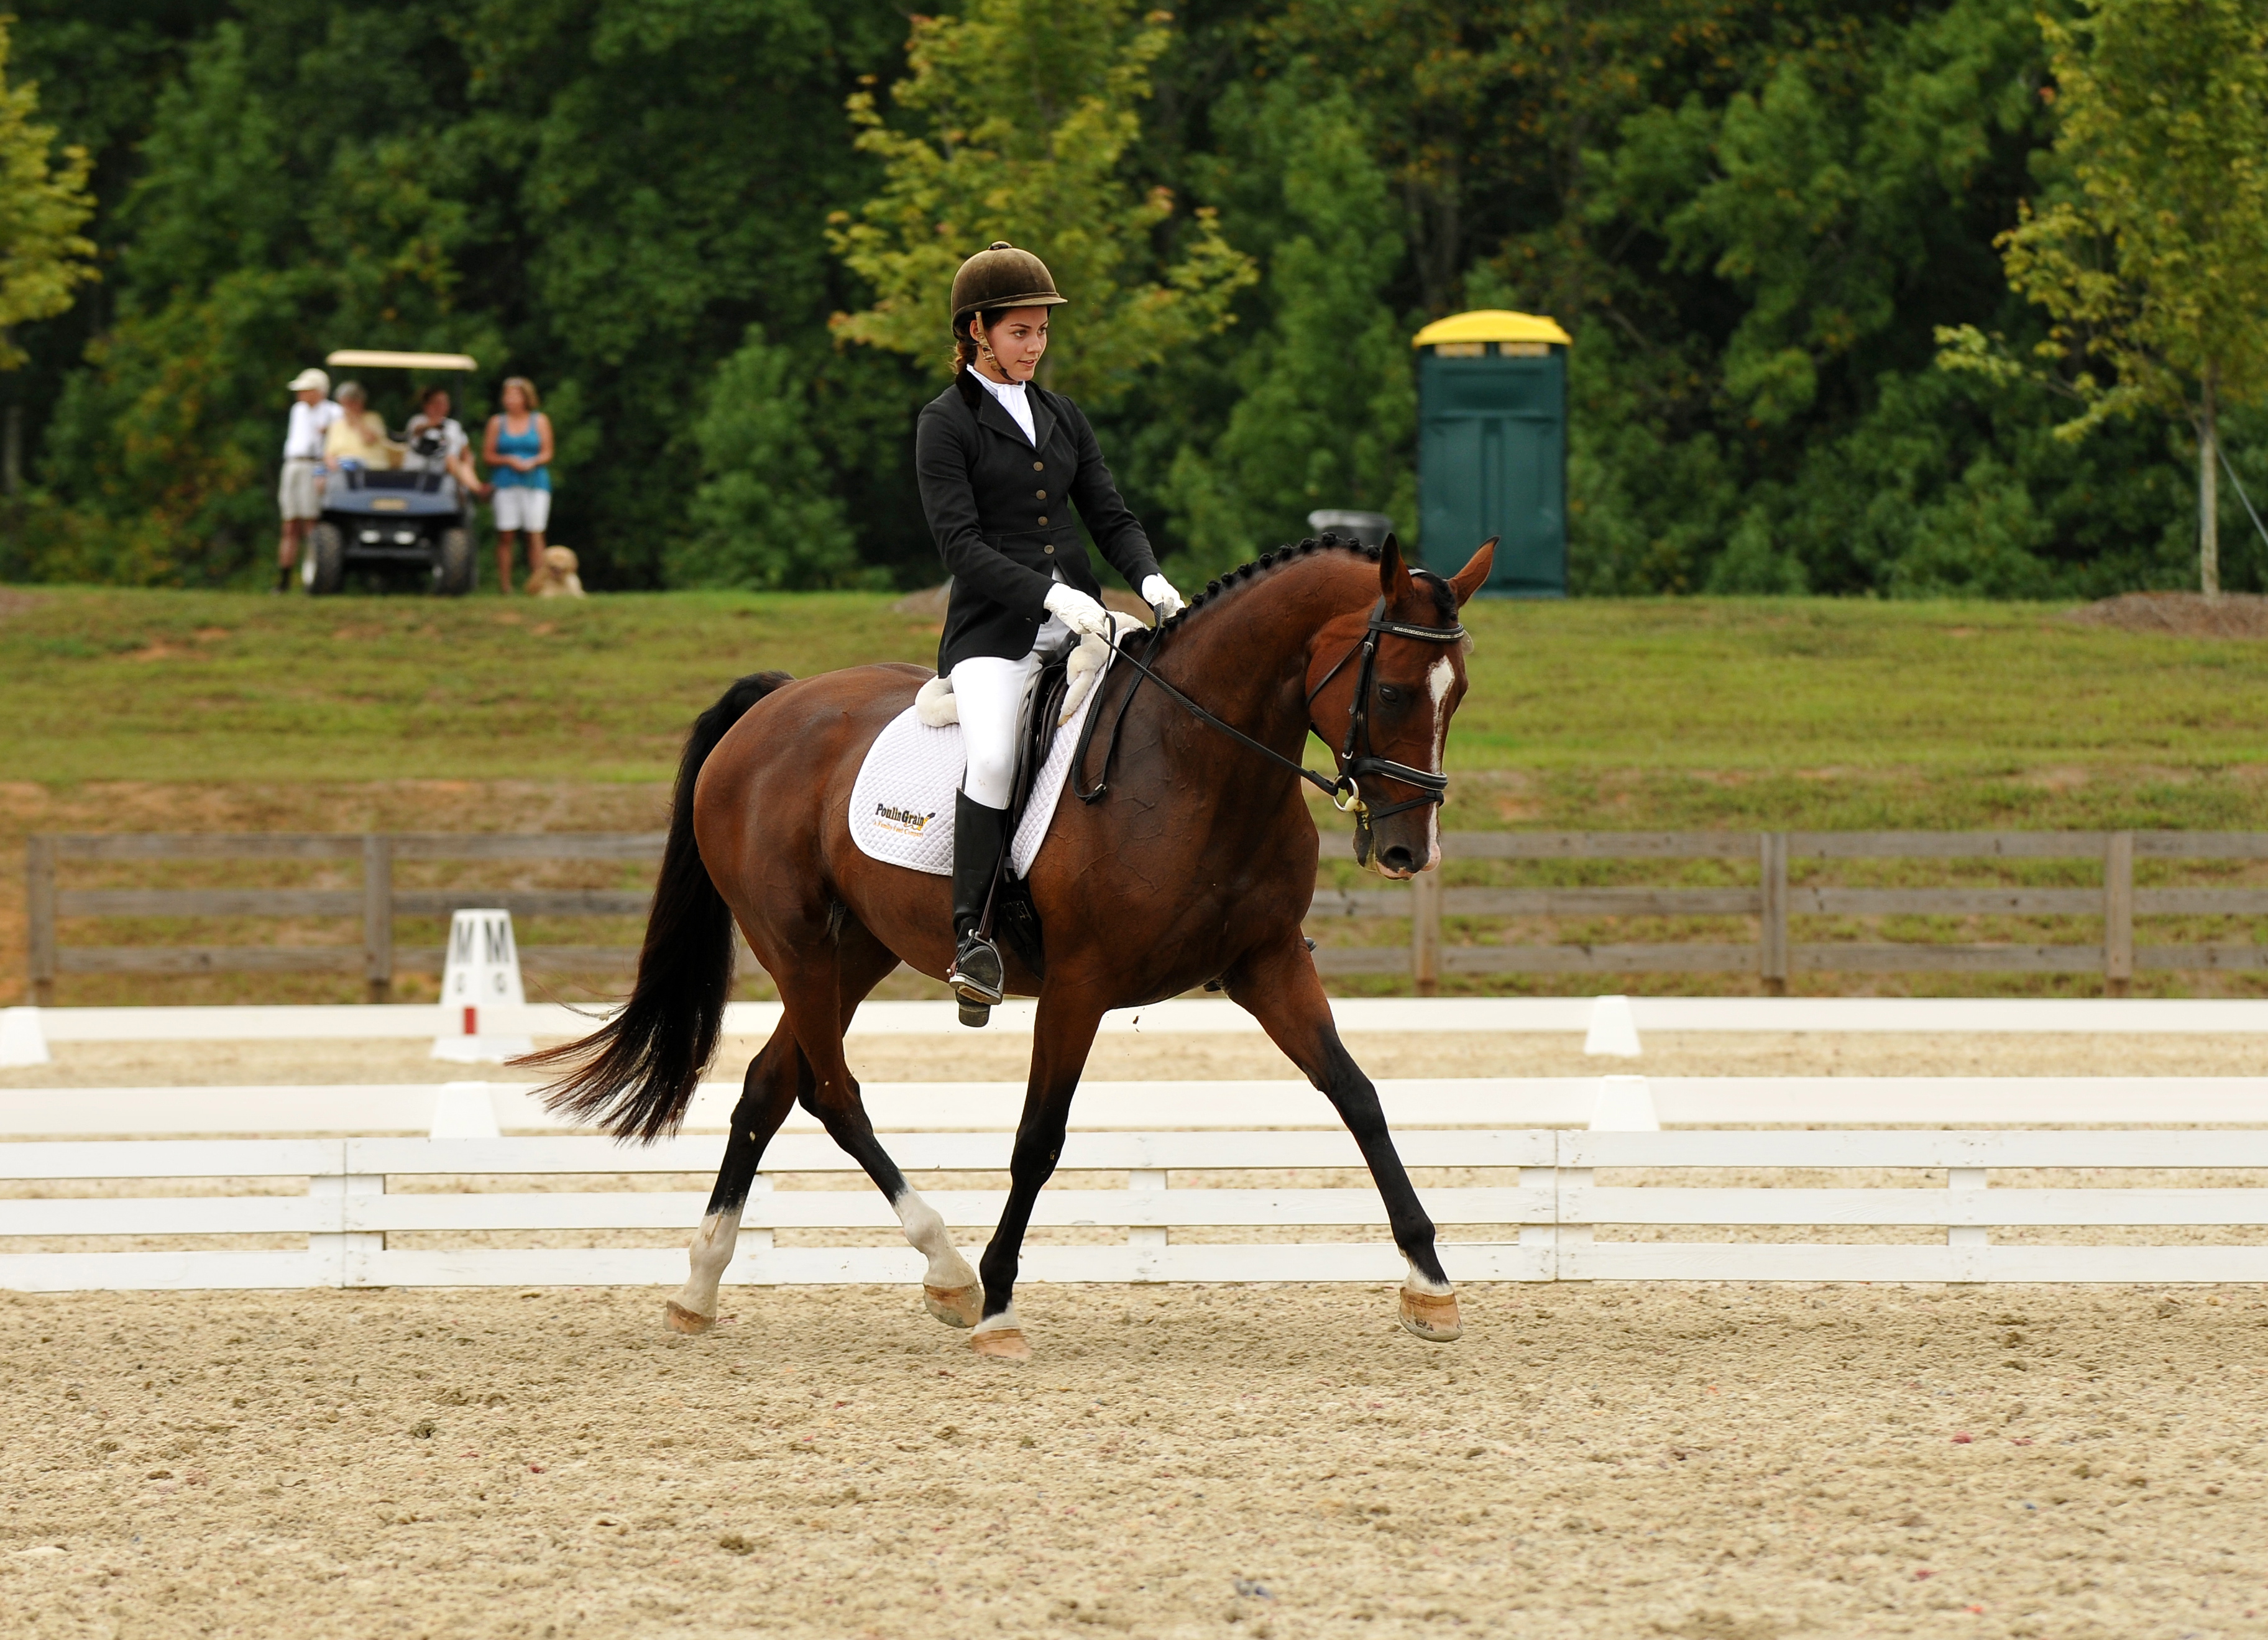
(1001, 276)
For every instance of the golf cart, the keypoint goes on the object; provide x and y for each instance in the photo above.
(395, 518)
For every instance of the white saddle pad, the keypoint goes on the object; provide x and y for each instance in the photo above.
(902, 805)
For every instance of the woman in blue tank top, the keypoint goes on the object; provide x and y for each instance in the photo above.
(519, 451)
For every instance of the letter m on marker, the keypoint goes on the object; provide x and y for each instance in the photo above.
(463, 943)
(496, 940)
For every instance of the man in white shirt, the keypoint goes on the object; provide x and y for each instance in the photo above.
(299, 494)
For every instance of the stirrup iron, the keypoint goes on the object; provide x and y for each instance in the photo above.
(978, 977)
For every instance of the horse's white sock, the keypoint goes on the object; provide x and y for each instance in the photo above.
(926, 1231)
(713, 1249)
(1420, 1282)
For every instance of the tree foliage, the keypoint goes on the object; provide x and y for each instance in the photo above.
(2156, 266)
(44, 203)
(1324, 401)
(1021, 115)
(719, 237)
(2152, 259)
(763, 517)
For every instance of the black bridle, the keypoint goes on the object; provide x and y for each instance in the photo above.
(1356, 761)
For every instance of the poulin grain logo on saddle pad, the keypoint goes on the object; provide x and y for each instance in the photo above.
(901, 805)
(904, 821)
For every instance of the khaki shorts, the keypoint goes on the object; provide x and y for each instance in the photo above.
(300, 495)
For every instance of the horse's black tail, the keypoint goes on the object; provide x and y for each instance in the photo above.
(636, 1074)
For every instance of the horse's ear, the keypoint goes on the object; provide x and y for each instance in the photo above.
(1469, 579)
(1393, 574)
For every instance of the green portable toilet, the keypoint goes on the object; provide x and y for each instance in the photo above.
(1492, 447)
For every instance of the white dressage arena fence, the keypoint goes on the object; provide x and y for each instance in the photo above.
(26, 1032)
(1535, 1218)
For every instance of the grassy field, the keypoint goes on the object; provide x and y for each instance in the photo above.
(146, 710)
(1780, 711)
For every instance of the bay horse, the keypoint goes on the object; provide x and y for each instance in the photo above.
(1195, 864)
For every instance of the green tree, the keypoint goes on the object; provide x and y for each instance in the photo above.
(2152, 261)
(1326, 403)
(1025, 113)
(1752, 214)
(763, 517)
(260, 237)
(463, 177)
(44, 203)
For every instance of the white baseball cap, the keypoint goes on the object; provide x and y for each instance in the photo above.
(311, 378)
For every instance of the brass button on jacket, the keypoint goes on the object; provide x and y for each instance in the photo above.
(1041, 494)
(1048, 548)
(1039, 467)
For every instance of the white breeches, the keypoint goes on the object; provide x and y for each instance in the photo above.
(989, 694)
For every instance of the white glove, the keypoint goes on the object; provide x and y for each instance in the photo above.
(1159, 593)
(1079, 612)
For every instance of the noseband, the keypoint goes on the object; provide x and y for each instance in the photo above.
(1356, 759)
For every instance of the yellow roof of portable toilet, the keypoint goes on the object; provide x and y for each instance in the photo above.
(1492, 323)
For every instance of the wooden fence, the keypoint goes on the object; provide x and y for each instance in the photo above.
(377, 902)
(1771, 903)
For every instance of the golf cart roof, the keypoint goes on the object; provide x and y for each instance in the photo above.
(363, 359)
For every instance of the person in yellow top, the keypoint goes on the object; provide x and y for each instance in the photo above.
(359, 433)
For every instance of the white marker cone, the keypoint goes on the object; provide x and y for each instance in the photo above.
(481, 973)
(22, 1041)
(464, 1110)
(1614, 1028)
(1626, 1106)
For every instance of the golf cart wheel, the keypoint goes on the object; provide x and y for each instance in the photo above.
(456, 568)
(325, 570)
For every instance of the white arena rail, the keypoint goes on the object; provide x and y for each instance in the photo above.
(1967, 1208)
(347, 1212)
(1355, 1014)
(1544, 1208)
(411, 1107)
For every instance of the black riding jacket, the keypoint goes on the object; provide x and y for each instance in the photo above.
(1000, 510)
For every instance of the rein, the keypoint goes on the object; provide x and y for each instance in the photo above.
(1346, 792)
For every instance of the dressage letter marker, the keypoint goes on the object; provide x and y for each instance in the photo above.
(482, 970)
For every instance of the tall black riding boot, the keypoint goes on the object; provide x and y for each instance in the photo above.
(979, 836)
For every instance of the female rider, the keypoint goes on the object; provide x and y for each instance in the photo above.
(1001, 461)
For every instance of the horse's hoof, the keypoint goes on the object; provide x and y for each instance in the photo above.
(1002, 1344)
(1432, 1317)
(955, 1306)
(678, 1318)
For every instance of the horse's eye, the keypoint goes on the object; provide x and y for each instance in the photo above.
(1388, 692)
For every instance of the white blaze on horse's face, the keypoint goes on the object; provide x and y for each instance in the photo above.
(1438, 682)
(1411, 724)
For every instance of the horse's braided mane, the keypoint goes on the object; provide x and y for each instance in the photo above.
(1215, 590)
(1244, 574)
